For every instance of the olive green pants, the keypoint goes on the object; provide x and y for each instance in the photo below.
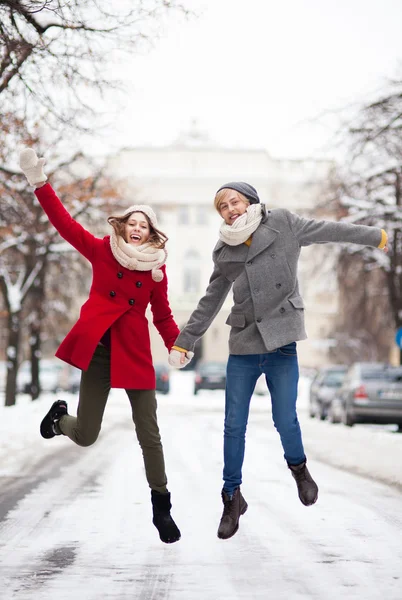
(85, 427)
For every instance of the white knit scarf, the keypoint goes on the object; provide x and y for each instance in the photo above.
(138, 258)
(242, 227)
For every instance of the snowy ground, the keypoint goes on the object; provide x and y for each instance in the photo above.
(80, 526)
(369, 450)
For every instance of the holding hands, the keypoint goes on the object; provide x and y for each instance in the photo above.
(179, 358)
(32, 167)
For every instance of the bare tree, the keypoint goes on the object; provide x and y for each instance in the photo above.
(52, 52)
(30, 249)
(367, 189)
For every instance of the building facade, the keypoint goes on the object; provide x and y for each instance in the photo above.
(179, 181)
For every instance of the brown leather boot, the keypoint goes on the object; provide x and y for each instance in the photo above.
(233, 508)
(306, 486)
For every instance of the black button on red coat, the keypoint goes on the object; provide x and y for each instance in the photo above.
(139, 283)
(119, 274)
(131, 301)
(112, 294)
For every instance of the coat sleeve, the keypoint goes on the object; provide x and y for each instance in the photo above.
(310, 231)
(206, 311)
(69, 229)
(162, 314)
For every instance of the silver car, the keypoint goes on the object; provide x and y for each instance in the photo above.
(323, 389)
(372, 393)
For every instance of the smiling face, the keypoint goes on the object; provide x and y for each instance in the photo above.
(232, 206)
(136, 229)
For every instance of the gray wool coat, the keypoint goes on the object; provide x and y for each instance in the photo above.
(268, 311)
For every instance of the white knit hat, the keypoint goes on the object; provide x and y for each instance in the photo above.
(144, 208)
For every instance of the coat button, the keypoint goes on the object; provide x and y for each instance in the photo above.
(131, 301)
(119, 274)
(139, 283)
(112, 294)
(250, 262)
(259, 320)
(282, 310)
(278, 285)
(273, 255)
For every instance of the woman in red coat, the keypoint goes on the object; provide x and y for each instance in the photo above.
(110, 341)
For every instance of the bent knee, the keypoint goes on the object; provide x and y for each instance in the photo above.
(85, 439)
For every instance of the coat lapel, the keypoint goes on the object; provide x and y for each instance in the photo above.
(232, 253)
(263, 237)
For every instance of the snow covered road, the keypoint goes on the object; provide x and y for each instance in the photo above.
(76, 523)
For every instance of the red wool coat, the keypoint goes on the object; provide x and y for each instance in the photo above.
(118, 299)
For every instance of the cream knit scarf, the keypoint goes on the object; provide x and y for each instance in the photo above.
(243, 226)
(138, 258)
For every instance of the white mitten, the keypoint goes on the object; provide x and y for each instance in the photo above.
(174, 359)
(32, 166)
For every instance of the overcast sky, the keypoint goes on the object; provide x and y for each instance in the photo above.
(261, 73)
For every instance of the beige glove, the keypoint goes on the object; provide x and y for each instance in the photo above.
(175, 356)
(32, 166)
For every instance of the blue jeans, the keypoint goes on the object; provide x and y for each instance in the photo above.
(281, 372)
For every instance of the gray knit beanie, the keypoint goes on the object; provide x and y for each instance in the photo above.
(243, 188)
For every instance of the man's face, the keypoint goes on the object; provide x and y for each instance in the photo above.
(232, 207)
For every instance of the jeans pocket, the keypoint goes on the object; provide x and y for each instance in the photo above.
(288, 350)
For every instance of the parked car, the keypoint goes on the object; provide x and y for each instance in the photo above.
(49, 370)
(372, 393)
(162, 378)
(323, 389)
(210, 376)
(335, 410)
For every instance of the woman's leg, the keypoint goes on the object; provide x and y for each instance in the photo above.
(94, 391)
(143, 406)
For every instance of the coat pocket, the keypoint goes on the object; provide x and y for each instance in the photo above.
(236, 320)
(297, 302)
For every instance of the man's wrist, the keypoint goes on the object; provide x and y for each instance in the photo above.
(179, 349)
(384, 239)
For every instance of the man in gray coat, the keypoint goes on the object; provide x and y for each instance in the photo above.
(258, 253)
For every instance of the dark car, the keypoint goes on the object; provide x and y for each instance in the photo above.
(210, 376)
(162, 378)
(323, 389)
(372, 393)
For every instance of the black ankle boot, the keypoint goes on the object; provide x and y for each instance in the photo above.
(168, 530)
(306, 486)
(50, 424)
(233, 508)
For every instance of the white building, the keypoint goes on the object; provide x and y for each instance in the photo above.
(180, 181)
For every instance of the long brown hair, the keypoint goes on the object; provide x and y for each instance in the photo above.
(157, 238)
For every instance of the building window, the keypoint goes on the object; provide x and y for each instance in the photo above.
(184, 216)
(202, 215)
(192, 272)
